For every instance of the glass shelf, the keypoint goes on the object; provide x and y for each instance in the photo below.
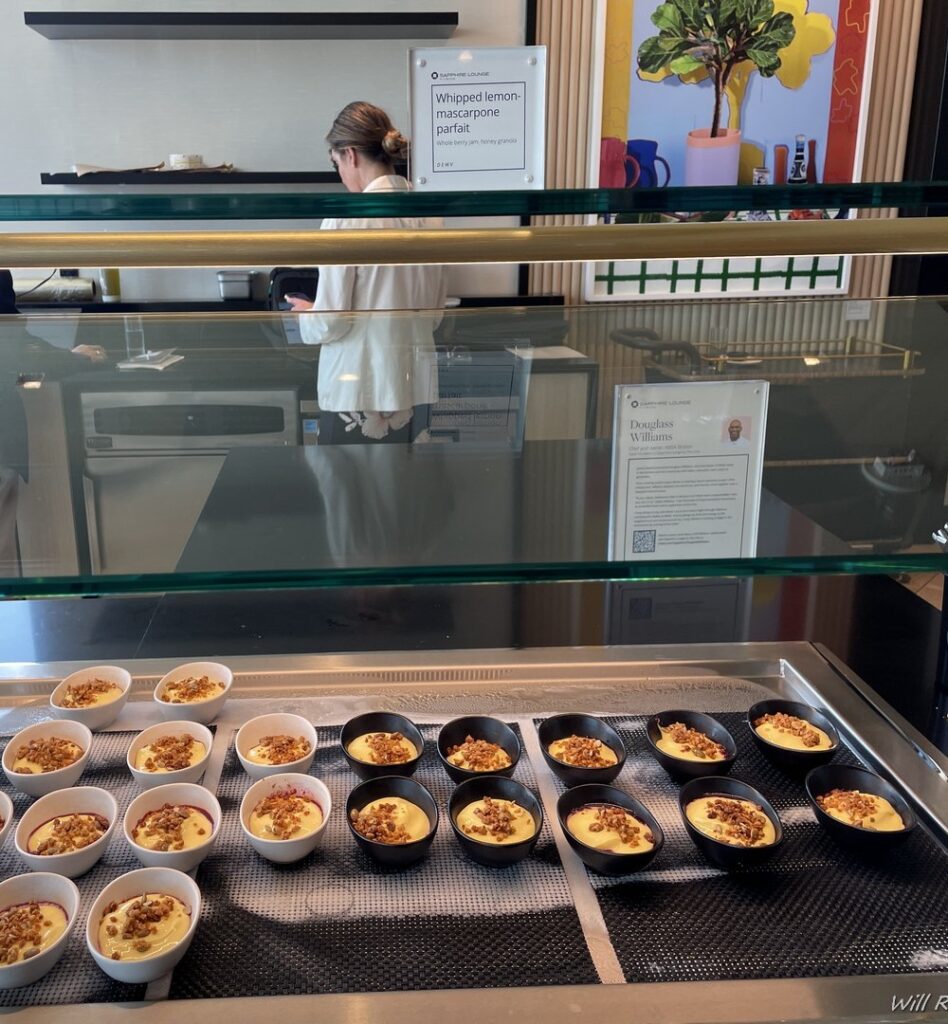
(597, 202)
(202, 477)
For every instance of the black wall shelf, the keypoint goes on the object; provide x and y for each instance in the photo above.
(192, 178)
(262, 25)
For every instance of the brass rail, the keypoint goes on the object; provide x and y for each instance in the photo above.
(910, 236)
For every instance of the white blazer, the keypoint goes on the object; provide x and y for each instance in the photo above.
(376, 361)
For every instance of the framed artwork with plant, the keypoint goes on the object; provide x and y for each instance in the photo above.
(726, 92)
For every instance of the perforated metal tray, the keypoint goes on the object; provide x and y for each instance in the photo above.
(628, 683)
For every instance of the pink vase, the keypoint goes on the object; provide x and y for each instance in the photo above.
(713, 161)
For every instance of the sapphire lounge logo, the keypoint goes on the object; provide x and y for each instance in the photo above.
(434, 74)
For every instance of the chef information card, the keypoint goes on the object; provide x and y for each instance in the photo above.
(686, 470)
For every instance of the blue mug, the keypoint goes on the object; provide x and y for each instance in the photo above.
(645, 153)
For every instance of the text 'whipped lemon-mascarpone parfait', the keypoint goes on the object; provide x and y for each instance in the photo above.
(173, 827)
(279, 750)
(29, 928)
(791, 732)
(863, 810)
(732, 821)
(479, 756)
(45, 754)
(66, 833)
(678, 740)
(391, 820)
(90, 694)
(382, 748)
(610, 828)
(492, 820)
(288, 814)
(191, 690)
(169, 754)
(583, 752)
(143, 927)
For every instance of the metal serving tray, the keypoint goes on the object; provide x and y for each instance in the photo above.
(520, 686)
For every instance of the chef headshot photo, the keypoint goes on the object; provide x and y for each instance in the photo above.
(736, 430)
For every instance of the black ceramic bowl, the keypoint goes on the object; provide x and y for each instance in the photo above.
(480, 727)
(838, 776)
(494, 855)
(407, 789)
(678, 767)
(722, 854)
(560, 727)
(381, 721)
(599, 860)
(796, 761)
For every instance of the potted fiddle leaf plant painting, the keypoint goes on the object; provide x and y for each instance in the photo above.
(701, 39)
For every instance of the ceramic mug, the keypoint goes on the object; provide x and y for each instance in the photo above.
(617, 168)
(644, 152)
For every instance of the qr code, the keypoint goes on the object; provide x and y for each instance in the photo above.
(643, 542)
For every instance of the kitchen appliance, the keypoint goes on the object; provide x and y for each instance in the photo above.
(151, 457)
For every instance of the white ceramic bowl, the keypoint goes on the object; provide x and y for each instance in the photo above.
(177, 793)
(252, 732)
(203, 711)
(6, 814)
(80, 800)
(148, 780)
(47, 782)
(166, 881)
(98, 716)
(42, 887)
(285, 851)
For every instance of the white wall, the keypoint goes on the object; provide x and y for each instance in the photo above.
(262, 105)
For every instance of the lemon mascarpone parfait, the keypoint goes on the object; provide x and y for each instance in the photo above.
(391, 820)
(90, 694)
(382, 748)
(791, 732)
(66, 833)
(864, 810)
(288, 814)
(173, 827)
(169, 754)
(279, 750)
(492, 820)
(29, 928)
(732, 821)
(583, 752)
(678, 740)
(45, 754)
(479, 756)
(610, 828)
(143, 926)
(191, 690)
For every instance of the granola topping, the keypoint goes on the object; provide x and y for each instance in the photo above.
(143, 926)
(45, 754)
(681, 741)
(67, 833)
(583, 752)
(190, 690)
(87, 694)
(173, 827)
(479, 756)
(279, 749)
(170, 754)
(864, 810)
(610, 828)
(492, 820)
(29, 928)
(288, 814)
(791, 732)
(382, 748)
(737, 822)
(393, 821)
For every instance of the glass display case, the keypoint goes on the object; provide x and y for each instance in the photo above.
(156, 453)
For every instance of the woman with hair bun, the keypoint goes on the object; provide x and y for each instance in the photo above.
(376, 369)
